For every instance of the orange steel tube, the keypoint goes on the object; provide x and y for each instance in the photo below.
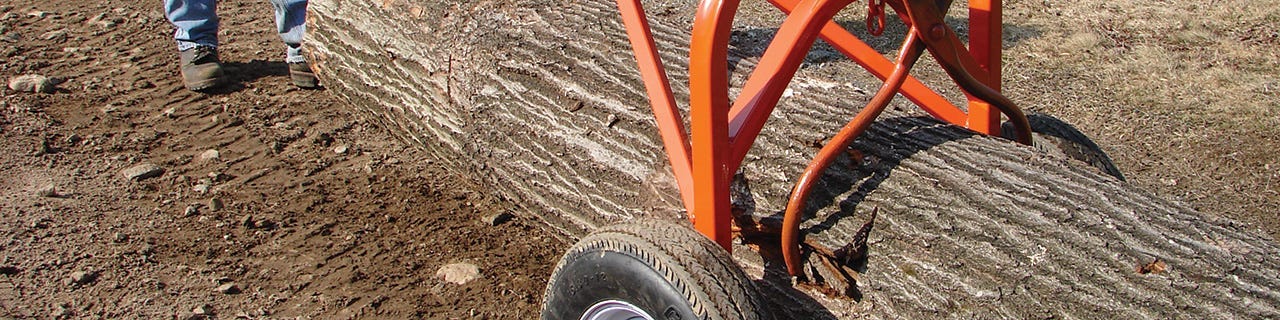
(708, 119)
(657, 85)
(776, 68)
(985, 46)
(910, 53)
(878, 65)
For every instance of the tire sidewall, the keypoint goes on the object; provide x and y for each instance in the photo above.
(599, 274)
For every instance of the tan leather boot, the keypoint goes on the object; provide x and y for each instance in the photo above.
(302, 76)
(201, 69)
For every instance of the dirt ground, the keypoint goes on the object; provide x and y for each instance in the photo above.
(321, 213)
(306, 209)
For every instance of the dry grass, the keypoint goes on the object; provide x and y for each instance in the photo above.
(1182, 94)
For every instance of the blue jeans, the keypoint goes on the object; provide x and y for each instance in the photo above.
(196, 24)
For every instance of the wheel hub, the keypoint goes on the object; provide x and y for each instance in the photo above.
(615, 310)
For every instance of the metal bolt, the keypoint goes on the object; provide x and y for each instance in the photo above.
(937, 32)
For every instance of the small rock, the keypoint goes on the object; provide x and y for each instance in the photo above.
(201, 188)
(210, 155)
(63, 311)
(120, 237)
(190, 316)
(40, 223)
(143, 84)
(498, 218)
(38, 14)
(229, 288)
(218, 177)
(142, 171)
(264, 224)
(9, 270)
(459, 273)
(44, 148)
(82, 277)
(342, 149)
(56, 35)
(610, 121)
(32, 83)
(247, 222)
(11, 37)
(48, 191)
(105, 24)
(215, 204)
(204, 310)
(191, 210)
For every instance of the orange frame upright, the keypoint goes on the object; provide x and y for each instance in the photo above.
(720, 134)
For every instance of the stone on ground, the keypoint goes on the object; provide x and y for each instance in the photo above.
(459, 273)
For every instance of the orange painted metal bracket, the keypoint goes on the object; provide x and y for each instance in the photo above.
(705, 157)
(879, 66)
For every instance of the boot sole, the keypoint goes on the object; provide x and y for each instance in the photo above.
(304, 80)
(204, 84)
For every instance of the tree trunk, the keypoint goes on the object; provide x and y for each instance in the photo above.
(541, 100)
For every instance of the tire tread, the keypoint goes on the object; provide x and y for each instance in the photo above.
(705, 274)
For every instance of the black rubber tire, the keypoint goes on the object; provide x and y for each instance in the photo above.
(1053, 135)
(665, 268)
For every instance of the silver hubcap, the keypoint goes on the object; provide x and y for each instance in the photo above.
(615, 310)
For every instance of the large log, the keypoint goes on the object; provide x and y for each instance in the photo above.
(541, 100)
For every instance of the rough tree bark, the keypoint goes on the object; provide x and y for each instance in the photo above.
(541, 99)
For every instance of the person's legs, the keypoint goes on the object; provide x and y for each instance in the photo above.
(195, 22)
(195, 25)
(291, 17)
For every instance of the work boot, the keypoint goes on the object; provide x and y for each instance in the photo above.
(201, 69)
(302, 76)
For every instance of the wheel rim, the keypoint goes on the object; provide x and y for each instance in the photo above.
(615, 310)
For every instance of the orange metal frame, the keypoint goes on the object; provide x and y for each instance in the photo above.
(720, 134)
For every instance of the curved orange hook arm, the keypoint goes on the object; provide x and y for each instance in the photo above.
(910, 53)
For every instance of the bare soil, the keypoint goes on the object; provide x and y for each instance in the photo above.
(324, 214)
